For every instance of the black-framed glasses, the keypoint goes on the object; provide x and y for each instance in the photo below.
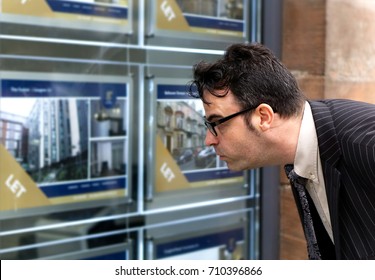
(211, 125)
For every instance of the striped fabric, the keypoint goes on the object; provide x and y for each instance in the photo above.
(346, 138)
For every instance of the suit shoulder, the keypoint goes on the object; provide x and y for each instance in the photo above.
(344, 108)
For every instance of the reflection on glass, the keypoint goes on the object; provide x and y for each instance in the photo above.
(180, 126)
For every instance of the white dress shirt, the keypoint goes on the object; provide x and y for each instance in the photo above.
(307, 164)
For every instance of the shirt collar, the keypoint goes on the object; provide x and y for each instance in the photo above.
(306, 158)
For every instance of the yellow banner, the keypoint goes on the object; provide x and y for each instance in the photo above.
(17, 189)
(89, 196)
(169, 16)
(228, 181)
(40, 8)
(26, 7)
(168, 174)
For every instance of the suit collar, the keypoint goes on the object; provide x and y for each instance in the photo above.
(330, 151)
(330, 154)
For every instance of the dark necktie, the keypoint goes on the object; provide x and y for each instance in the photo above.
(299, 184)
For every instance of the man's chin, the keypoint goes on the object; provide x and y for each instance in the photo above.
(234, 167)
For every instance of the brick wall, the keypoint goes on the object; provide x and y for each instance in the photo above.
(329, 45)
(303, 43)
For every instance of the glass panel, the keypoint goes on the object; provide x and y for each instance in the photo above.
(86, 125)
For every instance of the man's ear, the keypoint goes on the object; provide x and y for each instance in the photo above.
(264, 116)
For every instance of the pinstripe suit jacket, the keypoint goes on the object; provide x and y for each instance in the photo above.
(346, 139)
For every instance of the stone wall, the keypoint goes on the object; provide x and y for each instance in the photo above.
(350, 50)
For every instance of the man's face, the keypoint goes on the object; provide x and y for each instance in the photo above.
(236, 144)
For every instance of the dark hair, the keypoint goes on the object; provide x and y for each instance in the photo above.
(254, 75)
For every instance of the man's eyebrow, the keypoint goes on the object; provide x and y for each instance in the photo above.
(212, 117)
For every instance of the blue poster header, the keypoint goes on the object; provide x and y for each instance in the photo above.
(213, 23)
(84, 187)
(30, 88)
(173, 92)
(204, 175)
(88, 9)
(224, 238)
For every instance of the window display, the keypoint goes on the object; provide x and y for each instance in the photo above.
(222, 245)
(211, 237)
(212, 20)
(102, 152)
(98, 15)
(182, 159)
(64, 139)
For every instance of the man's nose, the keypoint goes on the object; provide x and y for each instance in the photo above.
(210, 139)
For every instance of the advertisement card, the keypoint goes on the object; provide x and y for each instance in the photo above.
(64, 139)
(221, 245)
(216, 18)
(182, 159)
(103, 15)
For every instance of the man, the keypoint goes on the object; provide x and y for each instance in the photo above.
(257, 116)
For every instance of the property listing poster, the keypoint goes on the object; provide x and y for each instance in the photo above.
(63, 139)
(218, 245)
(182, 159)
(226, 17)
(106, 15)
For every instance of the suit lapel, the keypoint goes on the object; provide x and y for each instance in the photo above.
(330, 154)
